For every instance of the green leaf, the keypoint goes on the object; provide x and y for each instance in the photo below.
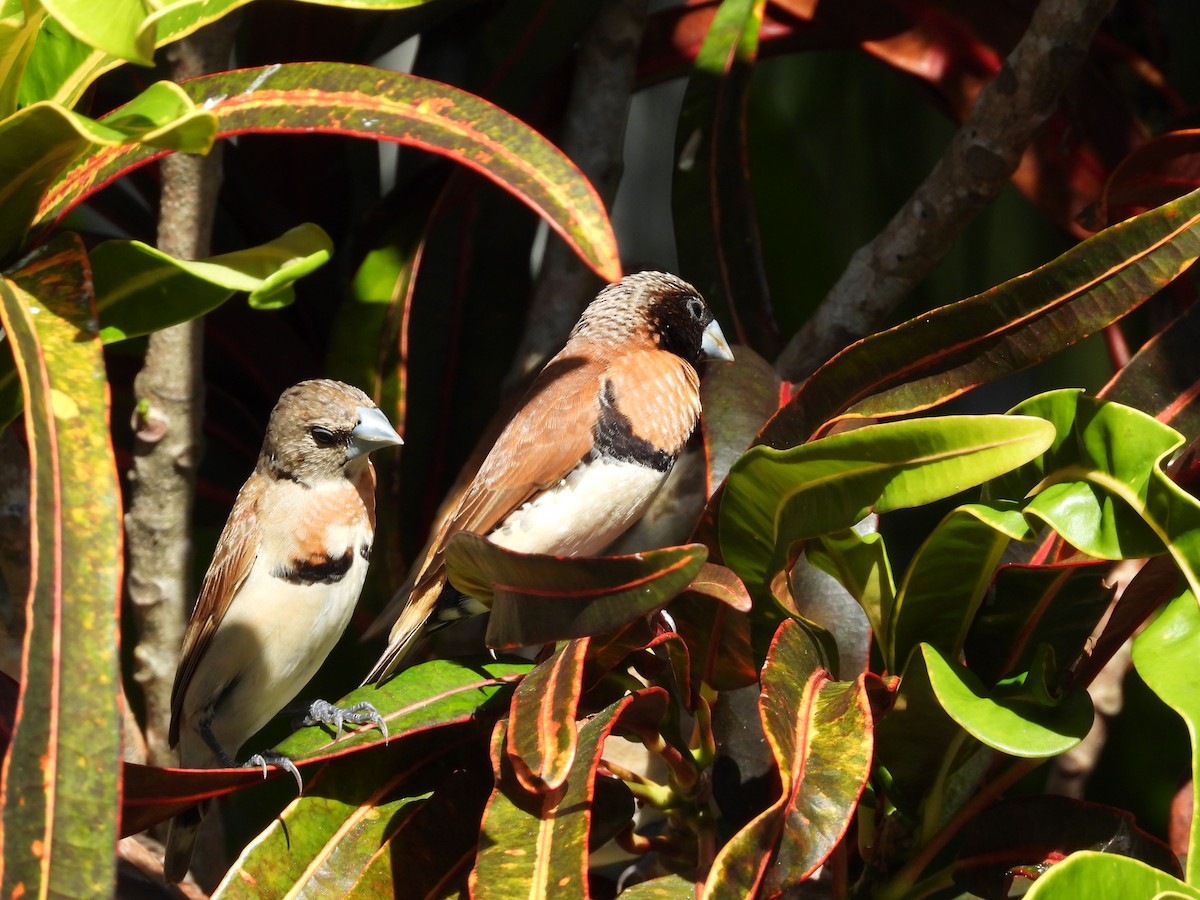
(776, 498)
(38, 142)
(947, 578)
(1017, 725)
(18, 34)
(359, 101)
(860, 564)
(61, 788)
(542, 736)
(1165, 655)
(948, 351)
(122, 28)
(820, 735)
(1102, 483)
(1089, 873)
(535, 599)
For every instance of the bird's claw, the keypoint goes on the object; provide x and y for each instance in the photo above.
(321, 712)
(271, 758)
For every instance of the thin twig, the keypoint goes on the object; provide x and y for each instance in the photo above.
(593, 137)
(978, 163)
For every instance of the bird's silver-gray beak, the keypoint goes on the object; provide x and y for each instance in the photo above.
(714, 344)
(372, 432)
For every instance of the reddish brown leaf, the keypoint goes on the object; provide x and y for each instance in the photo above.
(541, 724)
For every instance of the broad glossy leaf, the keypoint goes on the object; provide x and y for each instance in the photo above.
(122, 28)
(18, 33)
(775, 498)
(429, 696)
(1089, 873)
(737, 397)
(946, 580)
(859, 561)
(950, 350)
(1014, 724)
(1053, 605)
(368, 826)
(1102, 484)
(819, 731)
(712, 206)
(1165, 655)
(535, 599)
(61, 784)
(542, 735)
(38, 143)
(670, 887)
(140, 289)
(553, 827)
(1156, 172)
(718, 640)
(1032, 833)
(359, 101)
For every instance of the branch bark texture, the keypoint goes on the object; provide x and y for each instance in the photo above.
(978, 163)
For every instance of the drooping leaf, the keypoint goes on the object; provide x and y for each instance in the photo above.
(857, 559)
(535, 599)
(1015, 723)
(18, 33)
(819, 731)
(775, 498)
(61, 777)
(542, 735)
(950, 350)
(359, 101)
(122, 28)
(1032, 833)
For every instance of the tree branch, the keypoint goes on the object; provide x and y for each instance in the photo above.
(978, 163)
(594, 138)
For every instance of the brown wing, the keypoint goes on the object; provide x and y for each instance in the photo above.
(235, 553)
(549, 435)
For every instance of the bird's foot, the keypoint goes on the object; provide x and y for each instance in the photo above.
(272, 758)
(322, 712)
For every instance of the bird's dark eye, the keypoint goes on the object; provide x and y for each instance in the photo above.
(696, 308)
(323, 436)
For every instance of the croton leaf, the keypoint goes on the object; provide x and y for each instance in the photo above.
(1090, 873)
(359, 101)
(61, 778)
(819, 731)
(552, 826)
(775, 498)
(429, 696)
(1030, 834)
(541, 725)
(536, 598)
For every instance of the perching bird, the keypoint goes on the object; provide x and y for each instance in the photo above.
(592, 441)
(282, 584)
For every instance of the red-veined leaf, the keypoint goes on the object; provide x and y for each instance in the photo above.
(360, 101)
(61, 777)
(819, 731)
(536, 599)
(541, 726)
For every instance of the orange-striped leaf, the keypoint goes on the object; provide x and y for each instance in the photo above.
(541, 726)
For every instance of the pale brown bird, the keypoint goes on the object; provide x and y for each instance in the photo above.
(282, 584)
(590, 444)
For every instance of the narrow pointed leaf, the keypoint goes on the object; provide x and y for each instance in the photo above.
(551, 829)
(1165, 655)
(536, 599)
(541, 727)
(955, 348)
(717, 232)
(430, 696)
(774, 498)
(819, 731)
(61, 777)
(359, 101)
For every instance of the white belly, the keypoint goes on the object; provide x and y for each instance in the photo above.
(583, 513)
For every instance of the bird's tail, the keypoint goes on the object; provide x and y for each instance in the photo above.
(181, 841)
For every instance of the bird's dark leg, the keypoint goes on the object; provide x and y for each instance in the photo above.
(321, 712)
(264, 759)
